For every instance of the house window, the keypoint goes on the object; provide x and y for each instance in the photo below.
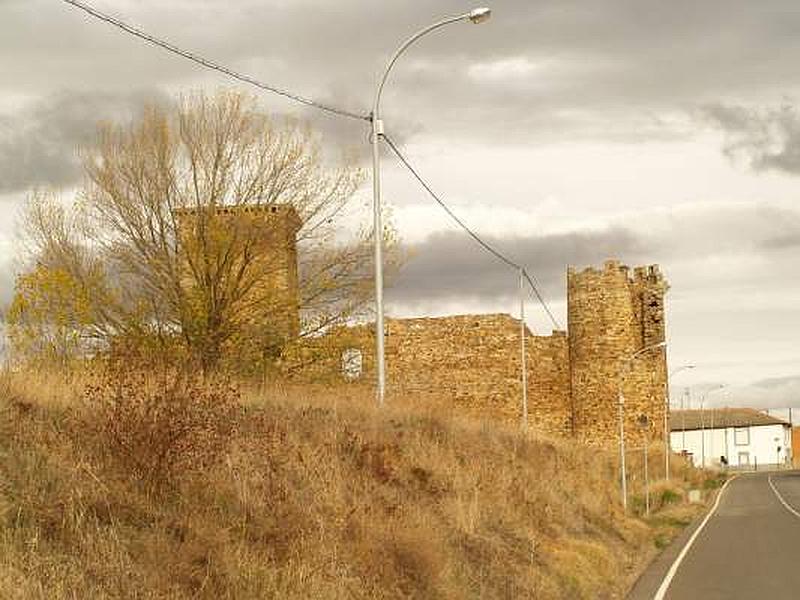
(741, 436)
(352, 364)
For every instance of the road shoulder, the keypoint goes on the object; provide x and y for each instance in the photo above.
(647, 584)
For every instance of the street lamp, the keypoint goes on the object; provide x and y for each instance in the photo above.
(478, 15)
(644, 423)
(703, 425)
(667, 441)
(621, 407)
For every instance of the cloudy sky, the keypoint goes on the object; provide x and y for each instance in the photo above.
(564, 131)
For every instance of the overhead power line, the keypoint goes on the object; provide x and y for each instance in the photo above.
(446, 208)
(209, 64)
(535, 290)
(485, 245)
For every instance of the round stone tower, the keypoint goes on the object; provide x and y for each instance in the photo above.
(612, 316)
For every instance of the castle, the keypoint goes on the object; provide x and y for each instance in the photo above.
(573, 376)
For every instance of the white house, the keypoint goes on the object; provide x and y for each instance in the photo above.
(744, 437)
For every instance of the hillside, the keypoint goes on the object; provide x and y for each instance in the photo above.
(131, 489)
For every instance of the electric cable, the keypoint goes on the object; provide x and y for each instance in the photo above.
(486, 246)
(535, 290)
(211, 64)
(135, 31)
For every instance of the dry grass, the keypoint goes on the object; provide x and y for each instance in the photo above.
(305, 493)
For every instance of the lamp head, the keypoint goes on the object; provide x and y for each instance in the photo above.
(479, 15)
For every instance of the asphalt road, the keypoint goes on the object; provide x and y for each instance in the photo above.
(749, 548)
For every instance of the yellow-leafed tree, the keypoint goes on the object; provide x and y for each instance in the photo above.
(192, 222)
(51, 316)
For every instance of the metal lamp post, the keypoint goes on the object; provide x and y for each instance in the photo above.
(644, 423)
(621, 417)
(479, 15)
(667, 441)
(703, 425)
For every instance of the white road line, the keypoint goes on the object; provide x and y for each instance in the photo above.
(786, 505)
(662, 590)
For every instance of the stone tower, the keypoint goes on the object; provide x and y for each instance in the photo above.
(613, 314)
(275, 227)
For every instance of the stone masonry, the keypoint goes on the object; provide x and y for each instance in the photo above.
(612, 315)
(474, 360)
(274, 228)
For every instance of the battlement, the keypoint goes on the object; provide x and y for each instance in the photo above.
(573, 376)
(239, 209)
(650, 274)
(644, 274)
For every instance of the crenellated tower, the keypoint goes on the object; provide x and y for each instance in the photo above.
(613, 314)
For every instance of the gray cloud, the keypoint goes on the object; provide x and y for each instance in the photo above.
(766, 139)
(551, 73)
(781, 392)
(778, 382)
(450, 265)
(40, 145)
(553, 68)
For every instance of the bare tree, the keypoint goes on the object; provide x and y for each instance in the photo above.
(155, 213)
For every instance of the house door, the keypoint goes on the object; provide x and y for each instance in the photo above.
(744, 459)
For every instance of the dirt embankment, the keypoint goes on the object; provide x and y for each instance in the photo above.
(133, 489)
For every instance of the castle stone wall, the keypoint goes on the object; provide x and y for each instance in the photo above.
(549, 387)
(471, 360)
(573, 379)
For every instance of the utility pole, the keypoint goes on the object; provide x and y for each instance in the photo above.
(703, 421)
(667, 436)
(522, 343)
(683, 417)
(622, 471)
(791, 459)
(625, 369)
(644, 423)
(702, 432)
(646, 480)
(667, 428)
(711, 438)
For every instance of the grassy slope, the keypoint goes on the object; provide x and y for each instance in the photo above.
(315, 496)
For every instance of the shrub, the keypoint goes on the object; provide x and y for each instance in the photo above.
(669, 496)
(156, 429)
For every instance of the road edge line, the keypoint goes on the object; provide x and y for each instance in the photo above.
(662, 589)
(786, 505)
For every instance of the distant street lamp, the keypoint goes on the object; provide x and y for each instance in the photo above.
(703, 425)
(621, 406)
(478, 15)
(644, 423)
(667, 433)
